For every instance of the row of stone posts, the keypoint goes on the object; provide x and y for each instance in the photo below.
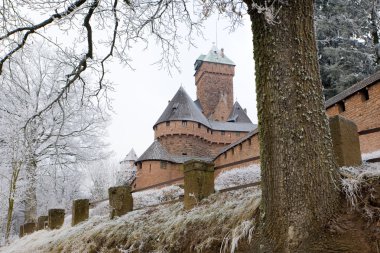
(56, 218)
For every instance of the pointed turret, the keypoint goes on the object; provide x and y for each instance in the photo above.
(182, 107)
(238, 114)
(130, 157)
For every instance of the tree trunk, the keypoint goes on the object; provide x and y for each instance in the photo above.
(299, 176)
(11, 196)
(31, 192)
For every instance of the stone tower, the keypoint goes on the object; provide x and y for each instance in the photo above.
(214, 74)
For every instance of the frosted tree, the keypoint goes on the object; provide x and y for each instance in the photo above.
(348, 42)
(48, 144)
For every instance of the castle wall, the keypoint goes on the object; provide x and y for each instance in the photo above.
(151, 173)
(242, 155)
(196, 129)
(365, 113)
(211, 80)
(189, 145)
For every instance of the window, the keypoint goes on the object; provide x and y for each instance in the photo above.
(223, 133)
(163, 164)
(233, 151)
(249, 142)
(341, 106)
(225, 155)
(365, 95)
(167, 123)
(184, 153)
(184, 123)
(199, 125)
(240, 146)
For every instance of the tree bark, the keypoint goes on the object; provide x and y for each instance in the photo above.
(299, 177)
(11, 196)
(31, 192)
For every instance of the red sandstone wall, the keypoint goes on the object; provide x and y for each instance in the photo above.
(196, 129)
(212, 79)
(152, 173)
(244, 154)
(366, 114)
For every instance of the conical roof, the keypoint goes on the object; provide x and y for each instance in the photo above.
(155, 152)
(182, 107)
(238, 114)
(131, 156)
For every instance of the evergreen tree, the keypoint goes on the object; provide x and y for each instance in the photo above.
(347, 38)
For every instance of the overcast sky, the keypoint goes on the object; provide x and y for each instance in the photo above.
(142, 95)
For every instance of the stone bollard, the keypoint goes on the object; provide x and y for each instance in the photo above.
(21, 232)
(56, 218)
(345, 138)
(80, 211)
(199, 182)
(29, 228)
(41, 222)
(121, 200)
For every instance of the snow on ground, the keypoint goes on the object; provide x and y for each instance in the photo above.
(354, 177)
(223, 217)
(156, 196)
(239, 176)
(367, 156)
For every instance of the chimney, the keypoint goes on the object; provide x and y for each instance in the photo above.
(222, 52)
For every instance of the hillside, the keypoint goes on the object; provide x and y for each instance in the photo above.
(218, 224)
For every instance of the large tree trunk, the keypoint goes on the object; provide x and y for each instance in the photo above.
(298, 173)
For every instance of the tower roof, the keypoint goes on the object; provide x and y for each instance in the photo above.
(157, 152)
(182, 107)
(215, 56)
(238, 114)
(131, 156)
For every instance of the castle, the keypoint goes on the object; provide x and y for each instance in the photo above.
(215, 129)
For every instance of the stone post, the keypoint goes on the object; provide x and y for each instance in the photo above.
(345, 138)
(56, 218)
(29, 228)
(80, 211)
(21, 232)
(199, 182)
(41, 222)
(121, 200)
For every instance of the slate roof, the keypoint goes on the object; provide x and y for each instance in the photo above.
(156, 152)
(182, 107)
(238, 114)
(353, 89)
(234, 144)
(232, 126)
(131, 156)
(215, 56)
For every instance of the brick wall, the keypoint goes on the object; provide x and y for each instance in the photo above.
(365, 113)
(155, 172)
(196, 129)
(189, 145)
(243, 154)
(212, 80)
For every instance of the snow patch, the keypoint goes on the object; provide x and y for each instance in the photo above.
(238, 176)
(372, 155)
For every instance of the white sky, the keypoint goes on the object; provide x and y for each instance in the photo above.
(142, 95)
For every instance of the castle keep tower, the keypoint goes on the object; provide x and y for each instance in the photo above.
(213, 77)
